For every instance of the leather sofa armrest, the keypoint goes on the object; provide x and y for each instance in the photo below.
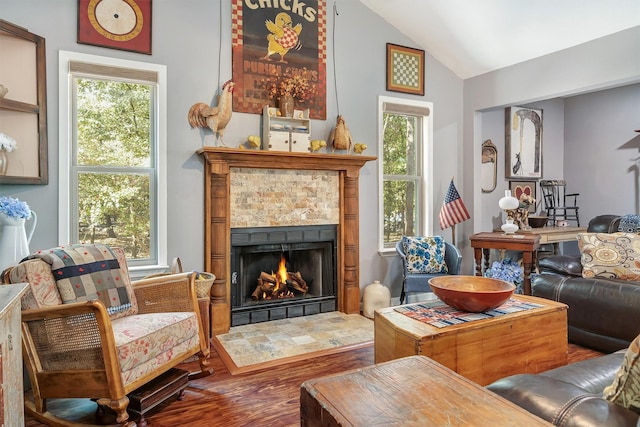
(561, 403)
(604, 224)
(561, 264)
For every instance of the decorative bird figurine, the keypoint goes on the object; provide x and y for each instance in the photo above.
(283, 36)
(215, 118)
(359, 148)
(317, 144)
(340, 138)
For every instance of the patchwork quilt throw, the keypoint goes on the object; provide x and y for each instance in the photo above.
(87, 272)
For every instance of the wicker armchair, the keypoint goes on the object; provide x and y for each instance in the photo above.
(81, 350)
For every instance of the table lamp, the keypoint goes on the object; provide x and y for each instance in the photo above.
(508, 203)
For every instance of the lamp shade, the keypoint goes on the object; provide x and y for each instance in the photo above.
(508, 201)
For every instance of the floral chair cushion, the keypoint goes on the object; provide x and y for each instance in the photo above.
(425, 254)
(610, 255)
(625, 390)
(147, 341)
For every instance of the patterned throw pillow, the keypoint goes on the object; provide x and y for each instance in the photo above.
(610, 255)
(625, 390)
(425, 254)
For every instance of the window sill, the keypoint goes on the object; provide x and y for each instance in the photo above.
(387, 252)
(141, 271)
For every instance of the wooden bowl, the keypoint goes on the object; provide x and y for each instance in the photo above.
(537, 221)
(471, 293)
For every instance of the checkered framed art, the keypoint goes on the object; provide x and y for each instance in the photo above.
(405, 69)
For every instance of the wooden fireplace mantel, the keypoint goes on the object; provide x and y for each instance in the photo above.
(217, 243)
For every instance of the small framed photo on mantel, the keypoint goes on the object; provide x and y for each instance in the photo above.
(405, 69)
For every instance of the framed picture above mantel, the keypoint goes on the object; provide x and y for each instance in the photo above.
(405, 69)
(523, 143)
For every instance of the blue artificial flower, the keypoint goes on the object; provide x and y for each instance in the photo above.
(508, 271)
(14, 208)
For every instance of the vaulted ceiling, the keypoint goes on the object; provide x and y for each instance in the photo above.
(472, 37)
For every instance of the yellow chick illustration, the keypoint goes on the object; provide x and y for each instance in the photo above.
(359, 148)
(317, 144)
(283, 37)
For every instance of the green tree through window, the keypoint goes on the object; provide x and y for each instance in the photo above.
(113, 164)
(405, 148)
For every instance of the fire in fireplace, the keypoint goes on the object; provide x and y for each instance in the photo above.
(282, 272)
(281, 284)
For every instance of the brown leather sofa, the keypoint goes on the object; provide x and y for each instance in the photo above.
(603, 314)
(570, 396)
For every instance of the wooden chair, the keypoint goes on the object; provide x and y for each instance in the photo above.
(417, 282)
(83, 349)
(559, 205)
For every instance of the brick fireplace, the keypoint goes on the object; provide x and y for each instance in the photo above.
(248, 188)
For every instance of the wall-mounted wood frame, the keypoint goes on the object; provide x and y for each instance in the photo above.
(405, 69)
(23, 110)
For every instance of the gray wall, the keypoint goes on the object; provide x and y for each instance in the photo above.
(567, 83)
(186, 38)
(601, 150)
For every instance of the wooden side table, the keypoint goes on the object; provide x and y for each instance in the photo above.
(528, 244)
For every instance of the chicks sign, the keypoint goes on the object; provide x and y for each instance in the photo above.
(275, 39)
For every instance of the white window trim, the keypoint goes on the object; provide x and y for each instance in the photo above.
(425, 195)
(65, 154)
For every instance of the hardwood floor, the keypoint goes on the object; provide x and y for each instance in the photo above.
(265, 398)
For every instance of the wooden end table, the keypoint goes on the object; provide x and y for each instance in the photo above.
(528, 244)
(413, 391)
(529, 341)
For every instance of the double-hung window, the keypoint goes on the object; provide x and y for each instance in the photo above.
(112, 156)
(405, 150)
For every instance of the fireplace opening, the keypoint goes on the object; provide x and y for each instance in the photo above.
(305, 258)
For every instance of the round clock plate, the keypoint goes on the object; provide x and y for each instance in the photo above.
(118, 24)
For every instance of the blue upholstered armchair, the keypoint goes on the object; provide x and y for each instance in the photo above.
(414, 281)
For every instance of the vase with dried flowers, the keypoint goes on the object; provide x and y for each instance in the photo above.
(7, 144)
(287, 89)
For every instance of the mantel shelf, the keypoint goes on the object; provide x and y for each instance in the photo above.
(264, 159)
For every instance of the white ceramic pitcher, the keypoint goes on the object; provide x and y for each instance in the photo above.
(14, 241)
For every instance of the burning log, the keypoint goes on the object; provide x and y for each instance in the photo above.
(264, 288)
(297, 282)
(272, 287)
(266, 277)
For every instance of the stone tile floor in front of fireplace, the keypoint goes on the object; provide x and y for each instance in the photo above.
(277, 339)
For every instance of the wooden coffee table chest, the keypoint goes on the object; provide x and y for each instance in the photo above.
(412, 391)
(483, 351)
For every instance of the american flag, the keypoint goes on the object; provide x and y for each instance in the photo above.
(453, 211)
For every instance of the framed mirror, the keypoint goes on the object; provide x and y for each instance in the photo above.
(23, 107)
(489, 167)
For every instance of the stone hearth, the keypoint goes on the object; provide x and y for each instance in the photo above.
(222, 164)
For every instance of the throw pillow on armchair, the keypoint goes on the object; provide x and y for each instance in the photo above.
(625, 390)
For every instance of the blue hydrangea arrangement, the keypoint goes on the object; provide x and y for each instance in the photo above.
(507, 270)
(14, 208)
